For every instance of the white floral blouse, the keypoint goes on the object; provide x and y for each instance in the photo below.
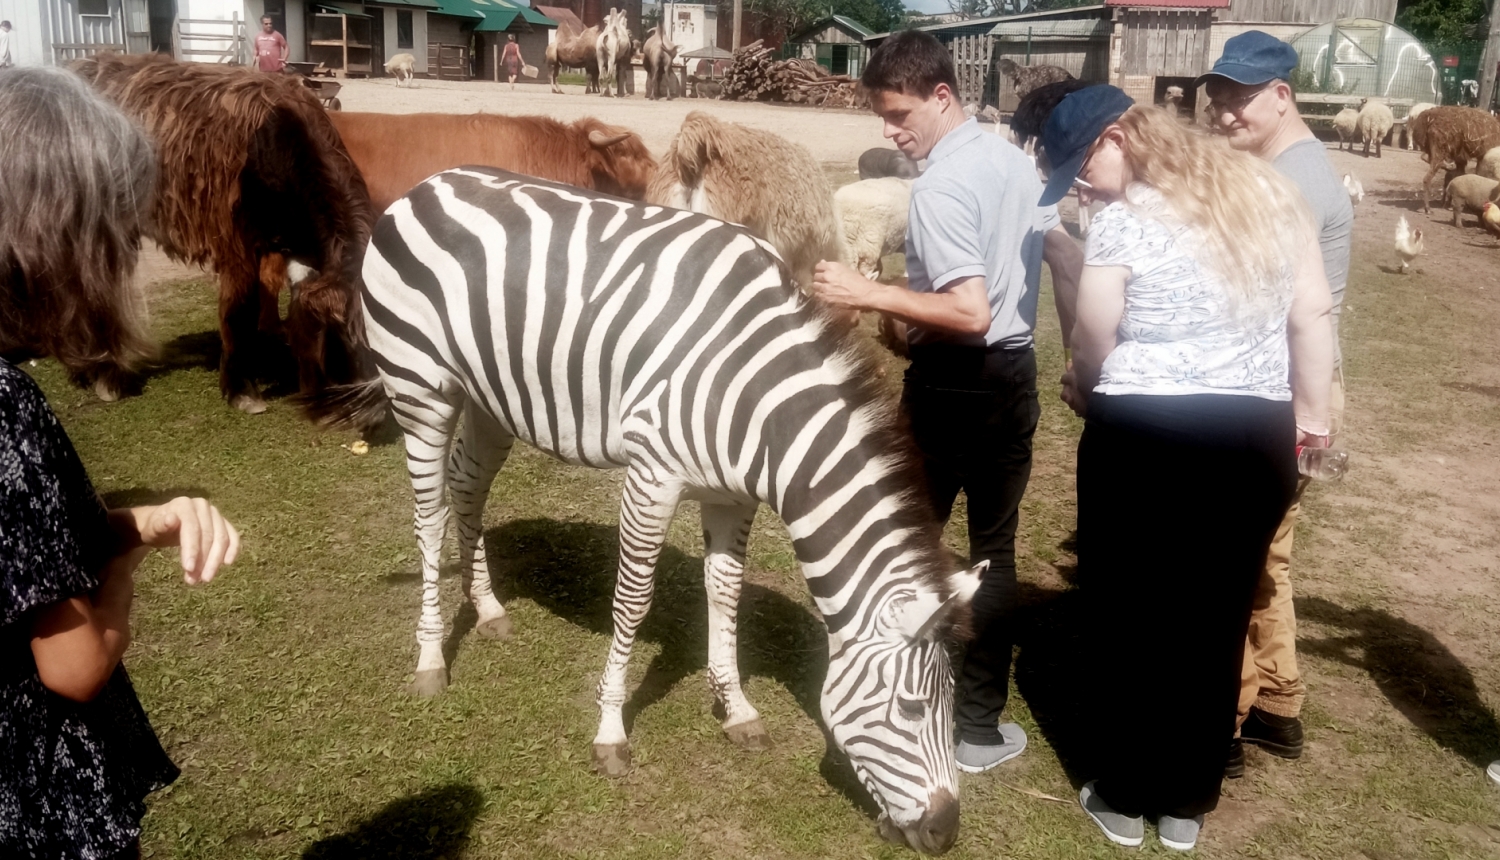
(1179, 333)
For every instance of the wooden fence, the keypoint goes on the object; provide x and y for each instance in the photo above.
(201, 40)
(971, 62)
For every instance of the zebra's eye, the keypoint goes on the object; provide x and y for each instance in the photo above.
(911, 709)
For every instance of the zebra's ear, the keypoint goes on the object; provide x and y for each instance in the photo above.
(924, 612)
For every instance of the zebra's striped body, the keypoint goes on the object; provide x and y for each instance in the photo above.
(672, 345)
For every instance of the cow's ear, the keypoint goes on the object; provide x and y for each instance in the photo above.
(600, 140)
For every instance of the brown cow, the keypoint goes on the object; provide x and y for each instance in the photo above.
(397, 151)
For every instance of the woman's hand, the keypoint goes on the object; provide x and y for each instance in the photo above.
(207, 539)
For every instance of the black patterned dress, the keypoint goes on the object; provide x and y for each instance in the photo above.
(73, 777)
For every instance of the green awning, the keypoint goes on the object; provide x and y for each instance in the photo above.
(352, 9)
(412, 4)
(493, 16)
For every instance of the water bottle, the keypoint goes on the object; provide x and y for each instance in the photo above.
(1322, 464)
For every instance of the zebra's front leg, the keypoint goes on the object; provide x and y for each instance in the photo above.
(646, 509)
(483, 446)
(726, 530)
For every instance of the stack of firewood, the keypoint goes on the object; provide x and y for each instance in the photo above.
(754, 76)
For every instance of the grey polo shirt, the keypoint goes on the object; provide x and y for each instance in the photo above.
(1306, 164)
(973, 212)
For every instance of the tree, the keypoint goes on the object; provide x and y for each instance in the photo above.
(1444, 23)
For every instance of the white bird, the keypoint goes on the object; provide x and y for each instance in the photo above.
(1408, 243)
(1355, 188)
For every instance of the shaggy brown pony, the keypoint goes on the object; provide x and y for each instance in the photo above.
(75, 185)
(251, 174)
(1452, 134)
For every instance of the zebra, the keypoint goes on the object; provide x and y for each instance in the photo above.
(674, 346)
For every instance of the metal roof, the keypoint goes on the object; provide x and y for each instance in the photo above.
(493, 16)
(975, 26)
(1098, 28)
(853, 27)
(711, 52)
(1171, 4)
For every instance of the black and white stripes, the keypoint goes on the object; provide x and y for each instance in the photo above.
(616, 335)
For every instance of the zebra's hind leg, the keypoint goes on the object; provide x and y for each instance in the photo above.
(483, 446)
(726, 529)
(428, 423)
(646, 508)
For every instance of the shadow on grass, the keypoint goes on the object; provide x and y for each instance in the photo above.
(1417, 673)
(427, 826)
(1054, 675)
(276, 368)
(569, 570)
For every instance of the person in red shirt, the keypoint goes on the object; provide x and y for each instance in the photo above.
(270, 47)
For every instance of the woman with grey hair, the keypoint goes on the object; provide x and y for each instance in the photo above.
(77, 754)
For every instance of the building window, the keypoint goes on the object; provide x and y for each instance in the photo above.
(404, 37)
(93, 7)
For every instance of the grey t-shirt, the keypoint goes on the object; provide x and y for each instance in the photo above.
(1306, 164)
(973, 212)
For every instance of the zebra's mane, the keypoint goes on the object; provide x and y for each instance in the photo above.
(866, 392)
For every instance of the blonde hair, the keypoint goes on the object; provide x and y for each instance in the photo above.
(1253, 220)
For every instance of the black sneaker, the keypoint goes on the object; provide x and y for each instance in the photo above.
(1279, 736)
(1235, 767)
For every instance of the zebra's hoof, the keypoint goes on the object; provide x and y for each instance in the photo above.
(749, 735)
(612, 759)
(250, 404)
(430, 682)
(495, 628)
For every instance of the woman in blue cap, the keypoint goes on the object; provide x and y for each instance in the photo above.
(1202, 356)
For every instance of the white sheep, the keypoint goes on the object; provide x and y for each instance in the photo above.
(403, 68)
(1347, 125)
(872, 215)
(1489, 164)
(1375, 122)
(1416, 111)
(1470, 192)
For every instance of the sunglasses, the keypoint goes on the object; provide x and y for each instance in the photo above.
(1235, 106)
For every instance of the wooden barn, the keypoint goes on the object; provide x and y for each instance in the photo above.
(1157, 44)
(837, 44)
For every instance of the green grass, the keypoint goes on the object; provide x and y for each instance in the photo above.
(278, 688)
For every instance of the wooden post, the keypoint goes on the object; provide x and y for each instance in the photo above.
(739, 9)
(1487, 63)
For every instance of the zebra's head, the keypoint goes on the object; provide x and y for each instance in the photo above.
(888, 701)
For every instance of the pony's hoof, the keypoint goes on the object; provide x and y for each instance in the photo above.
(430, 682)
(106, 391)
(612, 759)
(495, 628)
(250, 404)
(749, 735)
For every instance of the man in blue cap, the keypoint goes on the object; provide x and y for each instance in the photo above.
(975, 242)
(1252, 103)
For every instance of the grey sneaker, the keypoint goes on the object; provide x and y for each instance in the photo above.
(1126, 830)
(1179, 834)
(1494, 770)
(978, 758)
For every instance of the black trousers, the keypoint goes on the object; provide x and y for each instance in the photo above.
(1178, 500)
(973, 412)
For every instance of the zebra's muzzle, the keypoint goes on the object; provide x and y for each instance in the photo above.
(934, 833)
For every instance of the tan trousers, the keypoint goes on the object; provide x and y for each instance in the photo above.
(1269, 679)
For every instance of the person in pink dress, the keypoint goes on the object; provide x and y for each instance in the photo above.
(270, 47)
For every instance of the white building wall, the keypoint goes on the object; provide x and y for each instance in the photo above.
(418, 38)
(27, 42)
(694, 25)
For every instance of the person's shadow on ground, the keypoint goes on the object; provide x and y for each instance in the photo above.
(1418, 675)
(427, 826)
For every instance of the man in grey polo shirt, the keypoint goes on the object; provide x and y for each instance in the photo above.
(1253, 103)
(975, 243)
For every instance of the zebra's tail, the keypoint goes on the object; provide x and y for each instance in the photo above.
(360, 406)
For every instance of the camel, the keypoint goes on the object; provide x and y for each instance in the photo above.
(657, 56)
(613, 51)
(575, 52)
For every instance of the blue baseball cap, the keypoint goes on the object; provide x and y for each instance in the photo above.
(1253, 57)
(1074, 125)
